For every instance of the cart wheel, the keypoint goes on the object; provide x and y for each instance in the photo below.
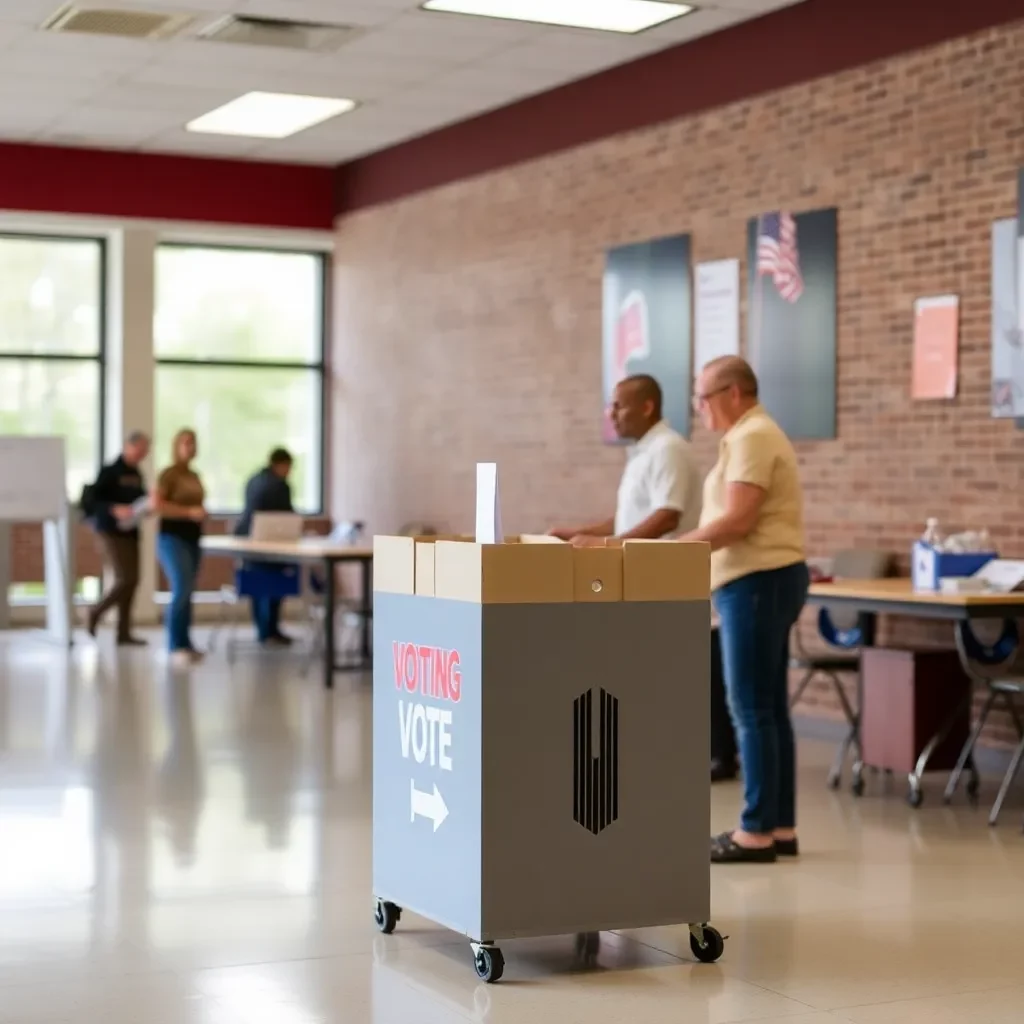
(973, 787)
(489, 964)
(387, 915)
(915, 797)
(857, 786)
(834, 779)
(712, 948)
(588, 945)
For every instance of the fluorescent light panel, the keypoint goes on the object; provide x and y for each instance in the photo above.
(627, 16)
(269, 115)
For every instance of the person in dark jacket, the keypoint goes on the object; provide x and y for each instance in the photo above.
(267, 491)
(117, 488)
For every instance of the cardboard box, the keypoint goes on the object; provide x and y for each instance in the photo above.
(425, 568)
(533, 570)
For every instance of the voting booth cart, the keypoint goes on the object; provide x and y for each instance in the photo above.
(540, 739)
(33, 489)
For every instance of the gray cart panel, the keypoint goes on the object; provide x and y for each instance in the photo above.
(540, 833)
(543, 871)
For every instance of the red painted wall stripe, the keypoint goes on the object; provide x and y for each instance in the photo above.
(119, 184)
(795, 44)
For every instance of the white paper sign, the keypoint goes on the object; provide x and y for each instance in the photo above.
(717, 311)
(33, 485)
(488, 505)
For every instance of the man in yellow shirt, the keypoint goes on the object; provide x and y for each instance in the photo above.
(752, 516)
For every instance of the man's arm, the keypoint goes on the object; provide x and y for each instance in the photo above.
(604, 528)
(743, 503)
(748, 477)
(657, 524)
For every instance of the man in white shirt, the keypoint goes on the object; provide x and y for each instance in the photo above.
(660, 492)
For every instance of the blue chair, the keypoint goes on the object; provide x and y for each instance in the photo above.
(843, 634)
(254, 581)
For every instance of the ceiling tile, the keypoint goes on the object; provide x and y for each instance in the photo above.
(329, 12)
(28, 12)
(143, 96)
(191, 53)
(29, 87)
(410, 70)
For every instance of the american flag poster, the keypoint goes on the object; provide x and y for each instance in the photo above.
(647, 323)
(791, 318)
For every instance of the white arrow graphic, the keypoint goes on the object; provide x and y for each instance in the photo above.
(427, 805)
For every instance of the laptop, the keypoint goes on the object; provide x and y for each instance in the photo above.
(276, 527)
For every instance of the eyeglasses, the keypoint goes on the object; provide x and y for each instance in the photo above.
(700, 399)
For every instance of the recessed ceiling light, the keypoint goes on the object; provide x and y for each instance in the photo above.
(605, 15)
(269, 115)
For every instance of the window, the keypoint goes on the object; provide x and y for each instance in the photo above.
(239, 341)
(52, 345)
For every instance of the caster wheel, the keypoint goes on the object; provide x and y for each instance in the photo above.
(833, 782)
(386, 916)
(712, 949)
(973, 788)
(857, 786)
(489, 964)
(588, 945)
(915, 798)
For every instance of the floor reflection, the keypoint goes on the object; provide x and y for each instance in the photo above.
(197, 849)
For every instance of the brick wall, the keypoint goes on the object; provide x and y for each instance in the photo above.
(468, 318)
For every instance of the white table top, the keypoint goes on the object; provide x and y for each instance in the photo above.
(308, 548)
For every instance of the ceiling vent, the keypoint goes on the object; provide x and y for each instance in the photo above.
(288, 35)
(110, 21)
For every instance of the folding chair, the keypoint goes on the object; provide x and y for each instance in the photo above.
(843, 633)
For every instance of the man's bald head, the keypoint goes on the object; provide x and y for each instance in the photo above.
(726, 371)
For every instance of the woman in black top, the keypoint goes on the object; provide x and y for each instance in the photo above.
(179, 501)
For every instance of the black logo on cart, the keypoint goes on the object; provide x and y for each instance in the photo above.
(595, 748)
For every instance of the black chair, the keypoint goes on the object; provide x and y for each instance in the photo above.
(844, 633)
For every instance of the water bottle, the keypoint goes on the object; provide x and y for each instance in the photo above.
(931, 535)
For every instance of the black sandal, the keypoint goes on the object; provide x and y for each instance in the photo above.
(787, 847)
(725, 850)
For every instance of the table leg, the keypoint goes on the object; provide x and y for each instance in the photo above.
(367, 611)
(330, 599)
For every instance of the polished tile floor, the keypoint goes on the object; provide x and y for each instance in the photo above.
(197, 851)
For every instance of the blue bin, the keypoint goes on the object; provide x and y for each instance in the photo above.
(928, 566)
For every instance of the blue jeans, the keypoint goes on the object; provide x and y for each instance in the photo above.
(179, 560)
(266, 614)
(756, 613)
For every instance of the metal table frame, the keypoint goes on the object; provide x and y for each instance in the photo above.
(328, 558)
(961, 611)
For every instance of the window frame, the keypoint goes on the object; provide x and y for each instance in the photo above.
(319, 367)
(99, 357)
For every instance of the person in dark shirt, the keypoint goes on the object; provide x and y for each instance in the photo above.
(267, 491)
(117, 488)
